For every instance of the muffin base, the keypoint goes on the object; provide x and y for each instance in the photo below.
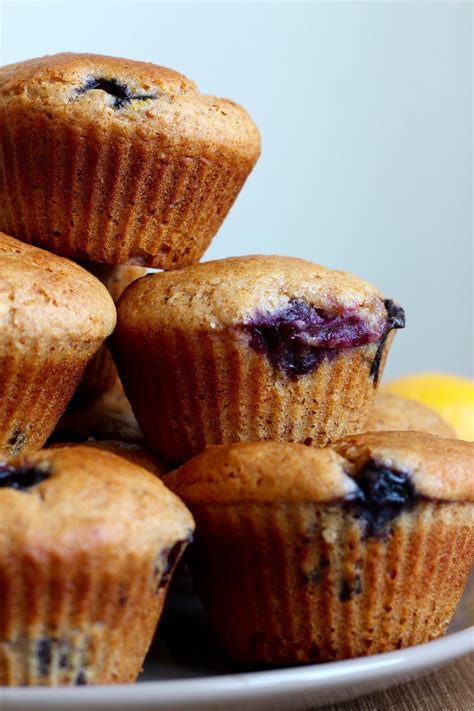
(325, 592)
(194, 390)
(108, 196)
(83, 619)
(36, 385)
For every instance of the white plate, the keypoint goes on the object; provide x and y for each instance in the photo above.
(184, 671)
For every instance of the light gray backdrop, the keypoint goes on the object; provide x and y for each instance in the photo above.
(365, 111)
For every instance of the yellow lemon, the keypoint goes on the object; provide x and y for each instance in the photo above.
(451, 396)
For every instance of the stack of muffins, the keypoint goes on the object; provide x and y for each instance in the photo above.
(327, 523)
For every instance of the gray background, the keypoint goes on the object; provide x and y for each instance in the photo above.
(365, 111)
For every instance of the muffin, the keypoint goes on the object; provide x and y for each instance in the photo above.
(391, 413)
(107, 417)
(101, 373)
(118, 161)
(54, 317)
(88, 542)
(306, 554)
(251, 348)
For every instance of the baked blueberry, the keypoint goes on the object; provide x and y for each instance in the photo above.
(170, 556)
(349, 588)
(119, 90)
(24, 477)
(299, 337)
(43, 652)
(395, 320)
(81, 679)
(383, 494)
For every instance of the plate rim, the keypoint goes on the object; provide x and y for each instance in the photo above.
(251, 685)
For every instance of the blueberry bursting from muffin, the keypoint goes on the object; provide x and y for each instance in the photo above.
(23, 478)
(299, 337)
(383, 494)
(115, 88)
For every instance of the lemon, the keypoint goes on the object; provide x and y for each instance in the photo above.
(451, 396)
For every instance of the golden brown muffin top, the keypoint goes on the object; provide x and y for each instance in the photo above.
(88, 498)
(261, 471)
(45, 296)
(48, 75)
(232, 291)
(151, 101)
(393, 413)
(290, 473)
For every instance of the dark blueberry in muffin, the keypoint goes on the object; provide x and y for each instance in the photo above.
(120, 91)
(169, 556)
(395, 315)
(395, 319)
(349, 588)
(81, 679)
(298, 338)
(64, 653)
(316, 574)
(382, 495)
(22, 478)
(44, 654)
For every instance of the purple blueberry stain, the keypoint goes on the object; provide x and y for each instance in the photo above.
(395, 320)
(167, 559)
(316, 574)
(81, 679)
(22, 478)
(383, 493)
(118, 90)
(45, 650)
(349, 588)
(44, 655)
(299, 337)
(64, 653)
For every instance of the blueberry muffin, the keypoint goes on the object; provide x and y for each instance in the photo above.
(357, 548)
(118, 161)
(393, 413)
(251, 348)
(54, 317)
(88, 542)
(101, 373)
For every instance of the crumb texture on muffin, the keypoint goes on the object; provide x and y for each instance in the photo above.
(42, 295)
